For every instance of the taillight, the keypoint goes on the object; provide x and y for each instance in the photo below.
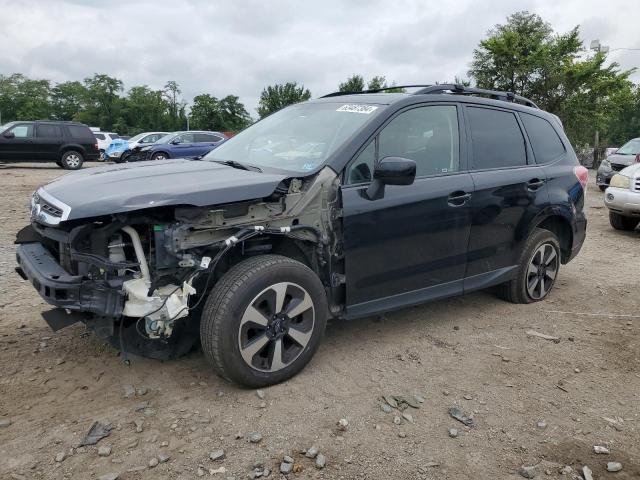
(638, 158)
(582, 174)
(96, 145)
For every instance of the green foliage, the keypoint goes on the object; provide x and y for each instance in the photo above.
(276, 97)
(377, 82)
(525, 56)
(355, 83)
(98, 101)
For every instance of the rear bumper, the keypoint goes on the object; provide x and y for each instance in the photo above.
(61, 289)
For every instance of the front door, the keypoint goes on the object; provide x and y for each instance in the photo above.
(510, 189)
(410, 245)
(20, 146)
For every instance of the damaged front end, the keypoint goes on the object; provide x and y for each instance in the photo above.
(139, 278)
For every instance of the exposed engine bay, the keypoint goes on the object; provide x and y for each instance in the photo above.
(149, 269)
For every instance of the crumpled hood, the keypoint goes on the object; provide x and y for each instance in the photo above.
(134, 186)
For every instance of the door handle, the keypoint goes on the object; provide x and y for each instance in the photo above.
(535, 184)
(457, 199)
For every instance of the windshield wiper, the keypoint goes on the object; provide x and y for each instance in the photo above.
(238, 165)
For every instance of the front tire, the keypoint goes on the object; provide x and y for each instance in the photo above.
(539, 264)
(159, 156)
(620, 222)
(263, 321)
(72, 160)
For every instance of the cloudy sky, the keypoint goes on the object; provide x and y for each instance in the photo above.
(238, 47)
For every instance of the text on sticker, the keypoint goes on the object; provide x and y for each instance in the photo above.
(357, 108)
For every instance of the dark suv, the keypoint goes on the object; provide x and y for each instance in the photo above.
(342, 207)
(69, 144)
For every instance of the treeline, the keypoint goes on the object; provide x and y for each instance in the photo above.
(101, 101)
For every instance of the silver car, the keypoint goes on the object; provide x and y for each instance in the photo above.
(622, 198)
(623, 157)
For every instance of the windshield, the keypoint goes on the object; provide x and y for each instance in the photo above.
(136, 138)
(298, 138)
(167, 138)
(630, 148)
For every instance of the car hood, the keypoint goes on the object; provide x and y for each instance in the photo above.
(621, 159)
(123, 188)
(631, 171)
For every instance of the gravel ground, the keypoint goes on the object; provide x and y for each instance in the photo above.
(534, 402)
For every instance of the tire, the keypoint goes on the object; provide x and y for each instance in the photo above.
(159, 156)
(71, 160)
(620, 222)
(251, 291)
(534, 282)
(102, 156)
(122, 158)
(602, 187)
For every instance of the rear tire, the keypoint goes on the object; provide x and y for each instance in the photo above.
(71, 160)
(539, 264)
(246, 332)
(620, 222)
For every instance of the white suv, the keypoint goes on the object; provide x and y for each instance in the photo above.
(104, 140)
(622, 198)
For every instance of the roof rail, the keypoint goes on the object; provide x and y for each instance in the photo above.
(457, 89)
(375, 90)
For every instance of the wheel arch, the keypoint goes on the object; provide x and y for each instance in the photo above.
(71, 147)
(558, 223)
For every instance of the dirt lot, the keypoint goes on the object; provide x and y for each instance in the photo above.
(535, 402)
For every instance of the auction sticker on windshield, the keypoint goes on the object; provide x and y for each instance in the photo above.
(367, 109)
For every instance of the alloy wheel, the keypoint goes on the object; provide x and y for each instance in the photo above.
(276, 327)
(73, 160)
(542, 271)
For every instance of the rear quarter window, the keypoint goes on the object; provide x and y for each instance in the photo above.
(82, 133)
(544, 139)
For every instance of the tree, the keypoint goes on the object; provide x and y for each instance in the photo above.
(103, 103)
(146, 109)
(227, 115)
(377, 82)
(176, 107)
(525, 56)
(355, 83)
(275, 97)
(234, 116)
(68, 100)
(22, 98)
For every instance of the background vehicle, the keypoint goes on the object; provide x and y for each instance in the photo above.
(626, 155)
(622, 198)
(68, 144)
(345, 206)
(187, 144)
(118, 151)
(104, 140)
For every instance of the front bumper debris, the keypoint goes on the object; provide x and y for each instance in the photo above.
(61, 289)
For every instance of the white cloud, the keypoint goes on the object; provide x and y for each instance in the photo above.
(239, 47)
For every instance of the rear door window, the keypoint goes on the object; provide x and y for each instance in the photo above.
(544, 139)
(99, 136)
(48, 131)
(82, 132)
(496, 138)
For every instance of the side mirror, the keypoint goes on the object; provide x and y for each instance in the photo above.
(175, 142)
(9, 135)
(391, 171)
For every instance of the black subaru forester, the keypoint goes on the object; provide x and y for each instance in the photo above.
(344, 206)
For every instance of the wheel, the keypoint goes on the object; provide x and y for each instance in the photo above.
(71, 160)
(620, 222)
(263, 321)
(538, 268)
(102, 156)
(159, 156)
(602, 187)
(122, 158)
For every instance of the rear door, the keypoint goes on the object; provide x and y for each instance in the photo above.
(205, 142)
(185, 147)
(410, 245)
(21, 146)
(48, 141)
(509, 190)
